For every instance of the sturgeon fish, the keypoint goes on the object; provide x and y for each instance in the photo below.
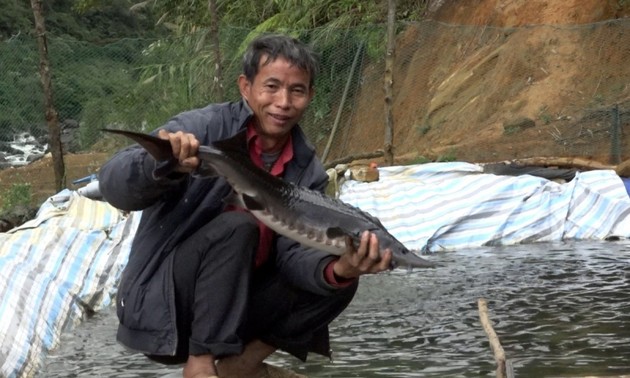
(304, 215)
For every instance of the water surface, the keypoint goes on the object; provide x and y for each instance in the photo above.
(559, 310)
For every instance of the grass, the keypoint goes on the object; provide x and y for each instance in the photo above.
(16, 195)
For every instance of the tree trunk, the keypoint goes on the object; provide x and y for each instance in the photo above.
(216, 48)
(562, 162)
(54, 131)
(389, 82)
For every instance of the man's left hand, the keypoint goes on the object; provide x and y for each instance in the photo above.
(366, 259)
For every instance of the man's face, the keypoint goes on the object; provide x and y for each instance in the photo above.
(278, 95)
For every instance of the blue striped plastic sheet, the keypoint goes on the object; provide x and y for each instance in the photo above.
(55, 269)
(449, 206)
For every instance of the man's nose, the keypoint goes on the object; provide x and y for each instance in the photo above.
(283, 98)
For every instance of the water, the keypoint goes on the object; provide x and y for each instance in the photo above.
(22, 150)
(558, 309)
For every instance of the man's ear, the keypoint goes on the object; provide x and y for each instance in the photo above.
(244, 86)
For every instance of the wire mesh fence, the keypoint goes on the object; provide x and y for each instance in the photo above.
(482, 93)
(476, 93)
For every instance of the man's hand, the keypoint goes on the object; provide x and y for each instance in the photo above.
(363, 260)
(185, 147)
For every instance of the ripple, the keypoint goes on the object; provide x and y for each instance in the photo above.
(559, 310)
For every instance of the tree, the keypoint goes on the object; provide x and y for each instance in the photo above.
(54, 130)
(389, 82)
(215, 40)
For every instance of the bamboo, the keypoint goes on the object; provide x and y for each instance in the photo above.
(216, 48)
(342, 103)
(615, 136)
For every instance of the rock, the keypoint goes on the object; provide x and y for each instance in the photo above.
(33, 157)
(365, 173)
(70, 139)
(69, 124)
(16, 216)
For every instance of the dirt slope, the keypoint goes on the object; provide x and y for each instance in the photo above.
(458, 91)
(509, 13)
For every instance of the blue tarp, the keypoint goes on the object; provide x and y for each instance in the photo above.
(53, 270)
(448, 206)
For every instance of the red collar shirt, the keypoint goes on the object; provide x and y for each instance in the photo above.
(276, 169)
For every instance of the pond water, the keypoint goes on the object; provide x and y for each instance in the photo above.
(558, 309)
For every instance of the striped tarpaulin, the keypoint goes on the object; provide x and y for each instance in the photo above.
(449, 206)
(54, 270)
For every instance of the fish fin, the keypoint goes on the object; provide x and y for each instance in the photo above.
(204, 170)
(336, 232)
(163, 168)
(235, 145)
(251, 203)
(159, 148)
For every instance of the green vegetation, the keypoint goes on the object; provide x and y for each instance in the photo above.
(544, 115)
(135, 64)
(91, 61)
(509, 130)
(418, 160)
(16, 195)
(96, 22)
(424, 129)
(450, 156)
(86, 79)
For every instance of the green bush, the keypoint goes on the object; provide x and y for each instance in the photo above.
(16, 195)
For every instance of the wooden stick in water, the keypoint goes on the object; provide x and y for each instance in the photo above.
(497, 349)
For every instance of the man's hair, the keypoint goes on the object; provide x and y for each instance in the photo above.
(275, 45)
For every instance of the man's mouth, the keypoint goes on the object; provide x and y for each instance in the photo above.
(280, 118)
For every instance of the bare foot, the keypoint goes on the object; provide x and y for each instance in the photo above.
(248, 364)
(201, 366)
(235, 367)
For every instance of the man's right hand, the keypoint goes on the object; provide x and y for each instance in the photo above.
(185, 147)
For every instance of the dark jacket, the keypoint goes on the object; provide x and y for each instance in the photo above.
(175, 207)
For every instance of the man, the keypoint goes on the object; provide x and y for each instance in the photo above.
(206, 284)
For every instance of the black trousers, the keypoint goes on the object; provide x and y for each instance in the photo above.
(222, 302)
